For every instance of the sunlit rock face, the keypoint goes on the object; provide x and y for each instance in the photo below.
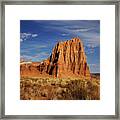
(67, 60)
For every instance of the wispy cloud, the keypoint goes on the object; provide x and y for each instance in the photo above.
(88, 35)
(37, 49)
(64, 34)
(41, 54)
(27, 36)
(89, 51)
(34, 35)
(38, 56)
(81, 30)
(95, 67)
(26, 58)
(39, 46)
(75, 28)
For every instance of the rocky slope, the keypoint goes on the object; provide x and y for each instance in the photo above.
(67, 59)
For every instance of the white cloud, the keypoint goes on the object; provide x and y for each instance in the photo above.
(64, 34)
(24, 35)
(82, 30)
(21, 40)
(34, 35)
(27, 36)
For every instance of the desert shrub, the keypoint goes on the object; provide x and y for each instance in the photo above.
(49, 89)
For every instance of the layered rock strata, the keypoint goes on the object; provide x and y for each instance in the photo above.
(67, 60)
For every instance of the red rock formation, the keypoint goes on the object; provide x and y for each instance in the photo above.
(68, 59)
(34, 69)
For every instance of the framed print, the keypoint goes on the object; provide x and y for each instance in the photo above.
(60, 59)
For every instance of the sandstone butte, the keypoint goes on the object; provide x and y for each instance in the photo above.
(67, 60)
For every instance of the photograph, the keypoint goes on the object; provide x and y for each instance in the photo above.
(60, 55)
(59, 59)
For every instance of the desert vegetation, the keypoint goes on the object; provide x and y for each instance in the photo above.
(36, 88)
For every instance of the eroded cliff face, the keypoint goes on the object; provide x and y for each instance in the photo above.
(67, 60)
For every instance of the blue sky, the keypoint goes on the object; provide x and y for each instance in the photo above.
(38, 37)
